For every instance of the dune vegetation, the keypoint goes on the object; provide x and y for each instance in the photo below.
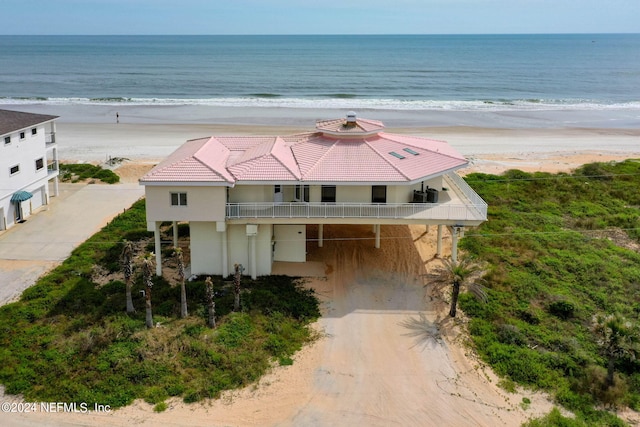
(69, 338)
(562, 259)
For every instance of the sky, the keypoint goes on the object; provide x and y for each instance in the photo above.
(43, 17)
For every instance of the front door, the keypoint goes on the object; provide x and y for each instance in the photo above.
(278, 197)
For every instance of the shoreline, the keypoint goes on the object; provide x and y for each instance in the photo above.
(504, 117)
(487, 149)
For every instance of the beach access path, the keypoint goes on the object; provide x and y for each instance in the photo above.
(30, 249)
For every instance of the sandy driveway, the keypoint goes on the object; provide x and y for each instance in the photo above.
(369, 368)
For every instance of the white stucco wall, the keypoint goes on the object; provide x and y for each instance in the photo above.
(203, 203)
(240, 248)
(251, 193)
(206, 248)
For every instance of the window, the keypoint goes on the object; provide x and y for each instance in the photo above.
(379, 194)
(178, 199)
(14, 169)
(34, 131)
(7, 140)
(21, 135)
(39, 163)
(328, 194)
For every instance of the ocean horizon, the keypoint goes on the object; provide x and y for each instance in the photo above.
(588, 74)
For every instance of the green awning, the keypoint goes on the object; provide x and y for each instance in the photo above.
(21, 196)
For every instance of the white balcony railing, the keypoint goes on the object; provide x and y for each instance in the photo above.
(460, 186)
(466, 205)
(50, 139)
(443, 211)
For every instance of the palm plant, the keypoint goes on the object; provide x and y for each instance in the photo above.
(459, 273)
(618, 338)
(126, 261)
(236, 286)
(147, 274)
(183, 291)
(210, 302)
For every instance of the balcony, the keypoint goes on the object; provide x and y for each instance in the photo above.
(50, 139)
(52, 169)
(458, 203)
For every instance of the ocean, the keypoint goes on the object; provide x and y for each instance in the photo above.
(414, 73)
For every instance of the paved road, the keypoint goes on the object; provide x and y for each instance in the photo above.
(47, 238)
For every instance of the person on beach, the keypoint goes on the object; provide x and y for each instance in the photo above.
(117, 117)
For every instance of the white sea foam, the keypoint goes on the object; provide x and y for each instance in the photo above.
(340, 103)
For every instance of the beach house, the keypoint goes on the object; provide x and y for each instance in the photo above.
(28, 164)
(248, 200)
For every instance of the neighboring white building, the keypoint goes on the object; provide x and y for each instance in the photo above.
(28, 163)
(248, 199)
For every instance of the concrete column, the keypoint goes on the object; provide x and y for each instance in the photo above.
(377, 228)
(320, 235)
(439, 242)
(454, 243)
(158, 247)
(253, 262)
(55, 159)
(175, 234)
(225, 255)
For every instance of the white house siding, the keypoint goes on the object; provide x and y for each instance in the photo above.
(290, 243)
(203, 203)
(23, 152)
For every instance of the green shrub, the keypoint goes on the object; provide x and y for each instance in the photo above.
(562, 309)
(160, 407)
(82, 171)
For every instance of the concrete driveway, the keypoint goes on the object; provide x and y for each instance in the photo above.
(30, 249)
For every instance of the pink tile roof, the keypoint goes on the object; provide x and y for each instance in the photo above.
(198, 160)
(363, 154)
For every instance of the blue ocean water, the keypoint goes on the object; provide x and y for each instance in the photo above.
(410, 72)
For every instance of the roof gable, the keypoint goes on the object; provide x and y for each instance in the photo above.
(197, 160)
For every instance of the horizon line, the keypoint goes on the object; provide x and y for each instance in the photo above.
(324, 34)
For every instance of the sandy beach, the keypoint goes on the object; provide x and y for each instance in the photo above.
(366, 369)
